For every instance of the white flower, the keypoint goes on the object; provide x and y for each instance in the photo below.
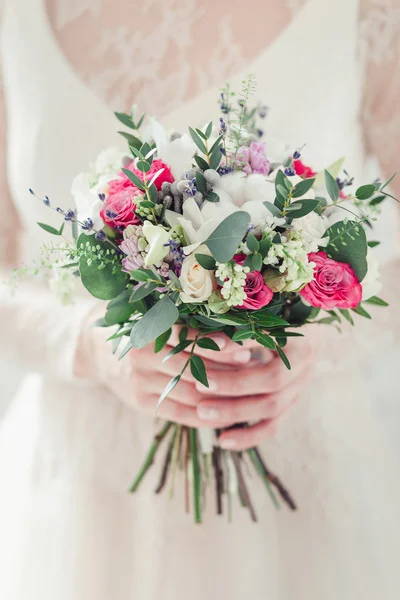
(290, 257)
(313, 227)
(63, 284)
(197, 283)
(157, 237)
(87, 202)
(234, 278)
(198, 224)
(108, 162)
(242, 188)
(370, 284)
(176, 154)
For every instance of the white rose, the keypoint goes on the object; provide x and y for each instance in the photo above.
(197, 283)
(198, 224)
(370, 284)
(157, 237)
(313, 227)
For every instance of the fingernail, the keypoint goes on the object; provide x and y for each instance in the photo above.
(242, 356)
(227, 444)
(207, 414)
(220, 341)
(212, 386)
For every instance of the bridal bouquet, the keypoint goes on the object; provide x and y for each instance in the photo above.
(207, 230)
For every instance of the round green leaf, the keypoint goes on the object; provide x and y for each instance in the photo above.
(348, 244)
(101, 283)
(225, 240)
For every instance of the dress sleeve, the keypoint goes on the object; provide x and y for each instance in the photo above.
(36, 331)
(380, 50)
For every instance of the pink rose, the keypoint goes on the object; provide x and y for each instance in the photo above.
(119, 206)
(258, 294)
(335, 284)
(157, 164)
(252, 159)
(303, 170)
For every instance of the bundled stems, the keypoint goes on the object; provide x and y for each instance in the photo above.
(285, 494)
(216, 457)
(167, 463)
(242, 485)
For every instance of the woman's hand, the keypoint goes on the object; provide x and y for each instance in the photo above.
(247, 383)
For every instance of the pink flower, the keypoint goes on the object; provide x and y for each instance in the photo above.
(252, 159)
(335, 284)
(303, 170)
(258, 294)
(119, 206)
(157, 164)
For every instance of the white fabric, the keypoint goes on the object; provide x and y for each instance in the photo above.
(68, 528)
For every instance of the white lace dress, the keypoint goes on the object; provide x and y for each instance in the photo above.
(68, 449)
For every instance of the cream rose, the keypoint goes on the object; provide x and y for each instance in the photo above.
(197, 283)
(313, 227)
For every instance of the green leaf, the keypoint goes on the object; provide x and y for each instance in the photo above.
(206, 261)
(302, 187)
(274, 210)
(365, 191)
(281, 180)
(183, 334)
(158, 319)
(348, 244)
(178, 348)
(215, 157)
(201, 183)
(252, 243)
(198, 141)
(265, 340)
(257, 262)
(332, 186)
(212, 197)
(103, 283)
(201, 134)
(125, 119)
(144, 290)
(270, 321)
(125, 351)
(373, 244)
(49, 229)
(389, 181)
(334, 169)
(301, 208)
(201, 163)
(143, 166)
(198, 370)
(208, 344)
(283, 357)
(242, 334)
(347, 315)
(209, 129)
(133, 141)
(118, 310)
(60, 232)
(162, 340)
(377, 200)
(361, 311)
(134, 178)
(168, 389)
(265, 245)
(377, 301)
(141, 274)
(215, 144)
(225, 240)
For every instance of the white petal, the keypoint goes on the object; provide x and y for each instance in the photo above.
(256, 210)
(178, 155)
(192, 213)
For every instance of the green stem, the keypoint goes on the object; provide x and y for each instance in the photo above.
(196, 474)
(259, 468)
(150, 457)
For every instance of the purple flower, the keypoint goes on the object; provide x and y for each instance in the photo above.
(134, 259)
(252, 159)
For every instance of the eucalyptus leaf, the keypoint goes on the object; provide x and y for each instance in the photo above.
(215, 157)
(361, 311)
(118, 310)
(125, 119)
(252, 243)
(177, 349)
(301, 208)
(257, 262)
(134, 179)
(143, 166)
(332, 187)
(225, 240)
(168, 389)
(102, 283)
(133, 141)
(348, 244)
(125, 351)
(302, 187)
(141, 274)
(274, 210)
(212, 197)
(203, 164)
(49, 229)
(377, 301)
(198, 141)
(208, 344)
(365, 191)
(209, 129)
(183, 334)
(142, 291)
(201, 183)
(206, 261)
(158, 319)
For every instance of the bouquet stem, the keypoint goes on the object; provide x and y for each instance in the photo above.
(183, 448)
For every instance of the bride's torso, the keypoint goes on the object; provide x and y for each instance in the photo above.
(308, 74)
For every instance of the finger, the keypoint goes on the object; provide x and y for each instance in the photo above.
(247, 437)
(173, 365)
(229, 353)
(252, 381)
(173, 411)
